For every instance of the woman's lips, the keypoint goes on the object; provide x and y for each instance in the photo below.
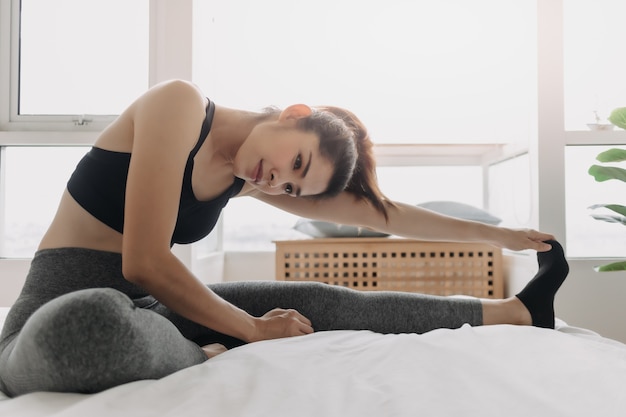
(258, 173)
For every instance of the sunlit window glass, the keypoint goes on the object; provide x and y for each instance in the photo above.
(595, 63)
(35, 179)
(415, 185)
(510, 191)
(451, 71)
(586, 236)
(82, 57)
(246, 232)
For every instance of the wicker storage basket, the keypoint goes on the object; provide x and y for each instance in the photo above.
(379, 264)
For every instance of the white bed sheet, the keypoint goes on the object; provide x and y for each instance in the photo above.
(473, 371)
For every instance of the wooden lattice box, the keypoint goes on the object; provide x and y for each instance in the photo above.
(379, 264)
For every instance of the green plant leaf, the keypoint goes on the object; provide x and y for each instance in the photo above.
(614, 266)
(612, 155)
(614, 207)
(610, 218)
(602, 173)
(618, 117)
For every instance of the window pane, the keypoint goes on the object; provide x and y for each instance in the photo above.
(82, 57)
(595, 62)
(448, 71)
(243, 232)
(510, 192)
(586, 236)
(35, 179)
(414, 185)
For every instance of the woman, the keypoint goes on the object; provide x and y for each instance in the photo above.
(106, 302)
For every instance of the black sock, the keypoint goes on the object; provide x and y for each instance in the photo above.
(538, 295)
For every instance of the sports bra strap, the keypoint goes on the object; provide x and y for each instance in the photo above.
(206, 127)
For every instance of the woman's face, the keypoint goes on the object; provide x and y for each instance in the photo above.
(277, 158)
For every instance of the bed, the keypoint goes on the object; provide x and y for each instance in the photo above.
(472, 371)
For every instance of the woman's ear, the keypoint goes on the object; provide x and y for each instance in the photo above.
(295, 111)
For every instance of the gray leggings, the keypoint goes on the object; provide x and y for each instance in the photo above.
(79, 326)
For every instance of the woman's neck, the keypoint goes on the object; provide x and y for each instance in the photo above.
(230, 129)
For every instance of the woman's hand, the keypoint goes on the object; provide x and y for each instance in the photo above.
(520, 239)
(279, 323)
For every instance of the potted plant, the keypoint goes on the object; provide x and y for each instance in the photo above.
(611, 172)
(598, 125)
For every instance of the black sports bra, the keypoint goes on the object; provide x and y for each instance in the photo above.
(98, 184)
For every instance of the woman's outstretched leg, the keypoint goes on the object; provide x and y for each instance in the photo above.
(333, 308)
(337, 308)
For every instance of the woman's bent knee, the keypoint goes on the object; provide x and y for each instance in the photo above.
(68, 344)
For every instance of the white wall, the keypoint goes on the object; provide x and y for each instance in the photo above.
(594, 300)
(12, 276)
(249, 266)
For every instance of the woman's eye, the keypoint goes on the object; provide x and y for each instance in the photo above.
(298, 162)
(288, 189)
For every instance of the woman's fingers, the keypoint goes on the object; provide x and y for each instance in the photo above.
(521, 239)
(302, 318)
(284, 323)
(300, 324)
(304, 329)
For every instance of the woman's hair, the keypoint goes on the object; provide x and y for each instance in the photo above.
(345, 142)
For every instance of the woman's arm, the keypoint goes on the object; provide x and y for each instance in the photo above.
(408, 221)
(411, 221)
(166, 123)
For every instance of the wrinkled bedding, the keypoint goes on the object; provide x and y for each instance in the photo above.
(472, 371)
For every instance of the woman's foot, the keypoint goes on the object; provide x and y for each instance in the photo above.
(538, 295)
(506, 311)
(213, 350)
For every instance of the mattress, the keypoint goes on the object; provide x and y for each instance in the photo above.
(471, 371)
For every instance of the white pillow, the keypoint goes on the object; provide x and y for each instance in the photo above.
(461, 211)
(318, 228)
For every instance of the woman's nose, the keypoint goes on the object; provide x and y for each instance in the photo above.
(274, 180)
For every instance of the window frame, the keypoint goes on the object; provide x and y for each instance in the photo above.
(547, 150)
(10, 120)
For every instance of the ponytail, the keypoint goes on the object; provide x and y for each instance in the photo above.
(361, 178)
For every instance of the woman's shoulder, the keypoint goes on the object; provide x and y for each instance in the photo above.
(177, 93)
(177, 86)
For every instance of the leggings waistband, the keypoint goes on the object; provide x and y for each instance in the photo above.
(61, 270)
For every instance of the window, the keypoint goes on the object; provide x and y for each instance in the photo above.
(414, 72)
(586, 236)
(243, 232)
(594, 60)
(594, 68)
(67, 58)
(414, 185)
(78, 57)
(420, 72)
(510, 191)
(34, 179)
